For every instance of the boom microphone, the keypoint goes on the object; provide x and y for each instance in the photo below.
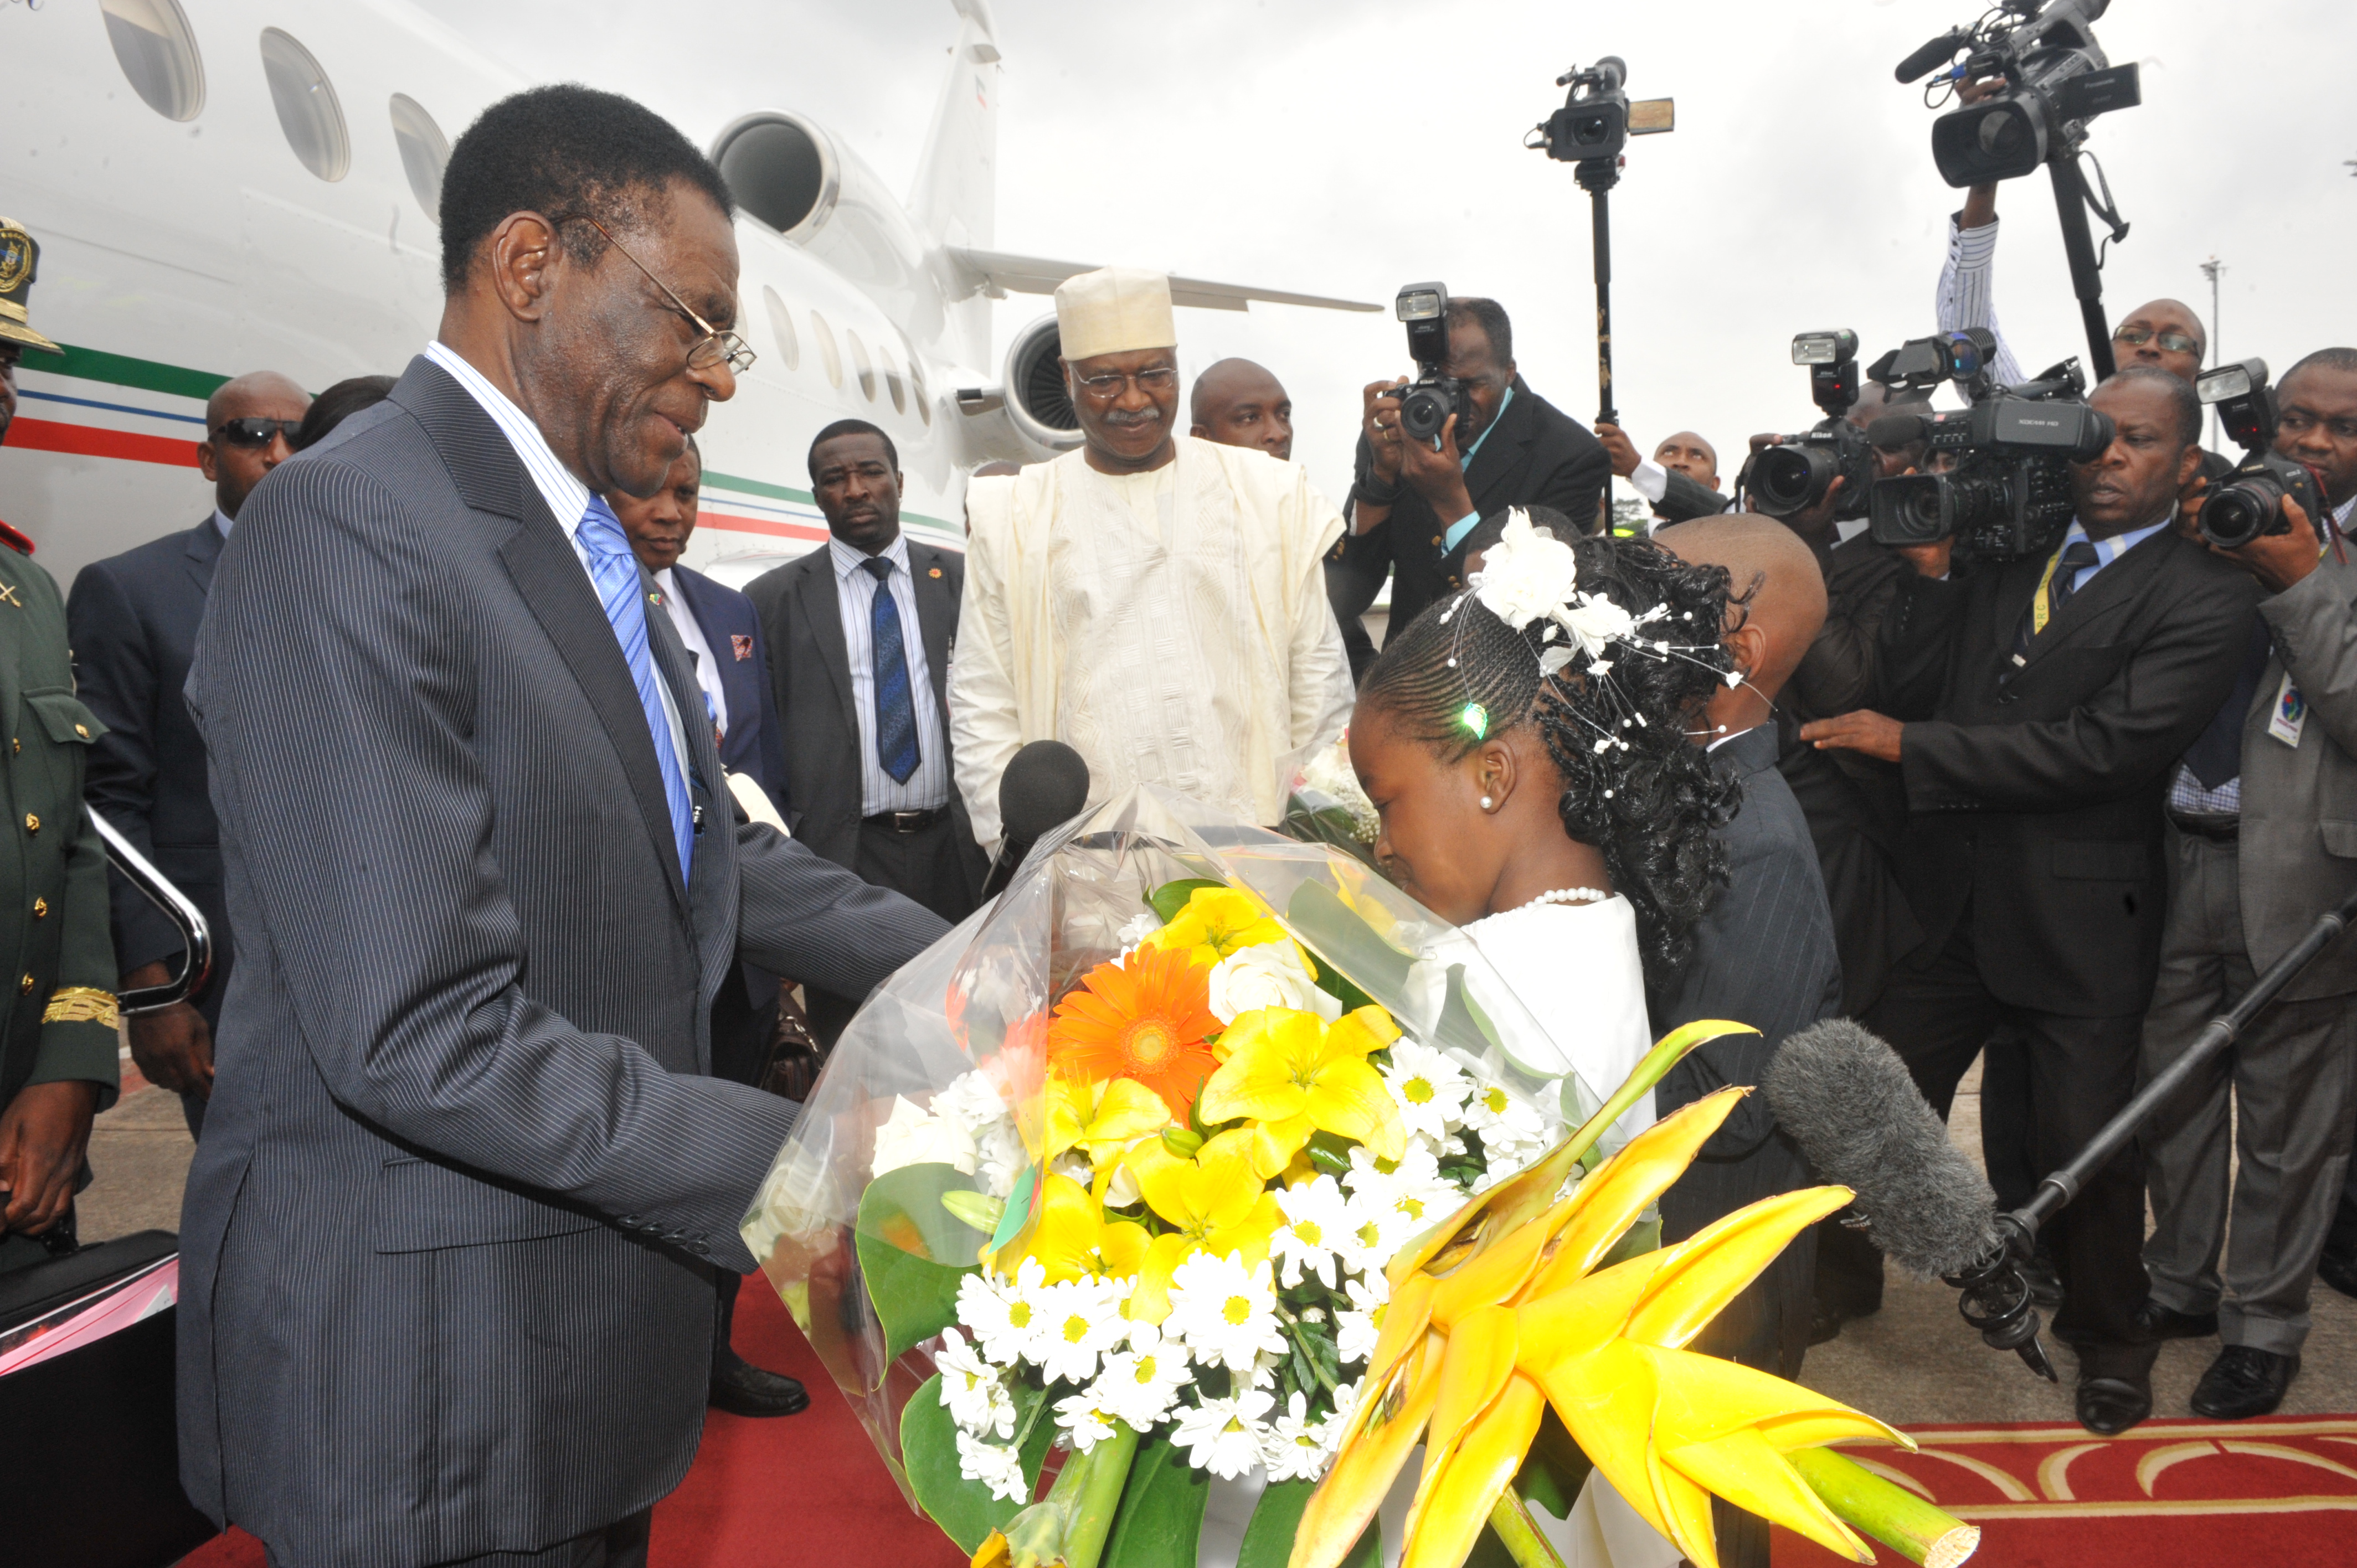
(1850, 1103)
(1045, 786)
(1898, 430)
(1939, 51)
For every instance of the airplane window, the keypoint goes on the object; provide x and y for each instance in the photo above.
(424, 152)
(859, 360)
(892, 379)
(916, 389)
(307, 109)
(825, 335)
(158, 54)
(781, 324)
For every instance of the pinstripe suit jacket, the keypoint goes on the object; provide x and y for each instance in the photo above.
(448, 1243)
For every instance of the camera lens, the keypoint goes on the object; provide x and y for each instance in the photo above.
(1789, 479)
(1907, 510)
(2240, 513)
(1423, 411)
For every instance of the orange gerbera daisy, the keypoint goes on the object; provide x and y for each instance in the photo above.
(1147, 1021)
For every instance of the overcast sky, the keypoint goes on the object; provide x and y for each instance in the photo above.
(1347, 148)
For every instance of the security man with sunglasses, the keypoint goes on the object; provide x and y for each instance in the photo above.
(133, 619)
(57, 1034)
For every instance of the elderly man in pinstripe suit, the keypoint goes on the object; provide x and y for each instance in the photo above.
(450, 1239)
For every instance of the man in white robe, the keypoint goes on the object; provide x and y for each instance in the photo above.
(1154, 601)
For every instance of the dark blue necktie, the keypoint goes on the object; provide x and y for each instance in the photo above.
(614, 572)
(895, 713)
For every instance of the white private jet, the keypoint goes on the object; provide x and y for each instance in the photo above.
(215, 194)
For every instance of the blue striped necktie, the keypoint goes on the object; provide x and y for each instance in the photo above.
(614, 573)
(895, 713)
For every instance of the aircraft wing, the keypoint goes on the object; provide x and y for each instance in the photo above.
(1004, 274)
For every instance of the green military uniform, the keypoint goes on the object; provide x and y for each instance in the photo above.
(57, 958)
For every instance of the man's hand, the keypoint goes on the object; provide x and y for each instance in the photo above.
(1379, 417)
(173, 1048)
(1863, 730)
(1619, 447)
(42, 1135)
(2279, 560)
(1438, 475)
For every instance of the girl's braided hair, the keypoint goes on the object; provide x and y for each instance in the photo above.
(1635, 785)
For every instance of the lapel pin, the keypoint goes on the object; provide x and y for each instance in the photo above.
(934, 572)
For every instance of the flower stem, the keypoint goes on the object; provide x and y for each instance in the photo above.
(1918, 1531)
(1309, 1354)
(1108, 1465)
(1520, 1534)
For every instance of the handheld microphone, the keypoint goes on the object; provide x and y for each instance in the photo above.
(1045, 786)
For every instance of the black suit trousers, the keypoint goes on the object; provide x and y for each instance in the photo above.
(2081, 1071)
(929, 866)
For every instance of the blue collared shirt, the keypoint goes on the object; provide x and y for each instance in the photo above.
(1454, 534)
(2106, 549)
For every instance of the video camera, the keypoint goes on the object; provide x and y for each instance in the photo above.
(2056, 80)
(1793, 475)
(2008, 493)
(1427, 403)
(2248, 503)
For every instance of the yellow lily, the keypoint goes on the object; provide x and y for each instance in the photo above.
(1216, 1203)
(1218, 921)
(1101, 1118)
(1073, 1240)
(1292, 1074)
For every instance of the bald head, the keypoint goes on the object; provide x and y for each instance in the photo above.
(2152, 320)
(1239, 403)
(1776, 601)
(229, 455)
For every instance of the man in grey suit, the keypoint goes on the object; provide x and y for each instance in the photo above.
(449, 1242)
(859, 635)
(2262, 839)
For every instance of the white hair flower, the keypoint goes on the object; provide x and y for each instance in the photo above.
(1529, 573)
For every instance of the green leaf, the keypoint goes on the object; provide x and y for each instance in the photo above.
(1268, 1540)
(1344, 941)
(1161, 1516)
(965, 1509)
(1330, 1152)
(913, 1252)
(1171, 897)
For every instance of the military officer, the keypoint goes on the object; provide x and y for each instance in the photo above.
(58, 1041)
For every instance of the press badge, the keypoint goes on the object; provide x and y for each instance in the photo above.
(2290, 713)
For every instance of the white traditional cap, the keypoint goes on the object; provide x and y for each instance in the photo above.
(1114, 310)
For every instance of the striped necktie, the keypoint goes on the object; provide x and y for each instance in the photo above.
(614, 573)
(896, 711)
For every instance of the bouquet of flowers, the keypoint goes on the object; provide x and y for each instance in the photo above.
(1124, 1173)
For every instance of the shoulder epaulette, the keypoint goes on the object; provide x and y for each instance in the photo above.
(16, 540)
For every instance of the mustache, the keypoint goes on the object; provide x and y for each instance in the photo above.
(1143, 416)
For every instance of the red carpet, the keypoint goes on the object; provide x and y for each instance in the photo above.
(2280, 1492)
(801, 1492)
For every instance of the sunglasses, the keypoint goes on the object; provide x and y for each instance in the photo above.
(2137, 336)
(256, 432)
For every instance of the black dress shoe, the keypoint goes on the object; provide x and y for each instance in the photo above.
(2243, 1383)
(2158, 1322)
(1825, 1324)
(2109, 1406)
(741, 1388)
(2339, 1270)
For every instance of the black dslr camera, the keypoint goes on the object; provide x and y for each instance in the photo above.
(2248, 503)
(1793, 475)
(1427, 403)
(2008, 493)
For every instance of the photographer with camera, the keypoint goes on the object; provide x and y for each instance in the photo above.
(2035, 709)
(2260, 839)
(1467, 438)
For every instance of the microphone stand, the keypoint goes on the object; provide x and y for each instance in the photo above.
(1997, 1297)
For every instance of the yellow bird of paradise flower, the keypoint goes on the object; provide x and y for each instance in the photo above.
(1503, 1311)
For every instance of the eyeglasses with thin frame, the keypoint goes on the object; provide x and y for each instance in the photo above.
(1156, 379)
(2137, 336)
(255, 430)
(716, 346)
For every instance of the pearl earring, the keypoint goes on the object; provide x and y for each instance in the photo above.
(1488, 804)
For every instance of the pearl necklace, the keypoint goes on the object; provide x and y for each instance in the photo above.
(1569, 896)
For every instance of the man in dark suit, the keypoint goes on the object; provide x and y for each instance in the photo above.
(1679, 481)
(1764, 955)
(1413, 506)
(2037, 708)
(449, 1240)
(133, 620)
(860, 635)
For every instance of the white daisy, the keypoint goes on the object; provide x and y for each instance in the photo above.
(1222, 1436)
(1079, 1321)
(1428, 1086)
(912, 1135)
(995, 1465)
(1512, 1133)
(1413, 1190)
(1316, 1216)
(1085, 1416)
(1293, 1447)
(1140, 1383)
(972, 1389)
(1357, 1327)
(971, 1102)
(1004, 1316)
(1224, 1313)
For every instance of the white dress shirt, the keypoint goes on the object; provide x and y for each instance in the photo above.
(224, 522)
(928, 788)
(707, 667)
(566, 496)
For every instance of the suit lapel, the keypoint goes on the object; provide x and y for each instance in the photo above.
(204, 549)
(2117, 584)
(1501, 454)
(823, 616)
(936, 613)
(708, 899)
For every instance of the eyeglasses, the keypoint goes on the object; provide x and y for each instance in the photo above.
(1160, 379)
(2137, 336)
(256, 432)
(716, 346)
